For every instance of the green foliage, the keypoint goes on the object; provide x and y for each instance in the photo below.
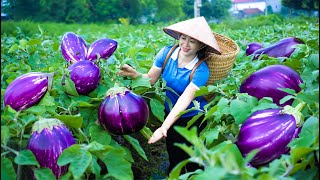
(29, 46)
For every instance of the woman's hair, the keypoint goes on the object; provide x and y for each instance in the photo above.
(202, 52)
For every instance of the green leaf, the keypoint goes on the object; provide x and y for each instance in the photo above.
(240, 110)
(47, 100)
(78, 157)
(44, 173)
(26, 157)
(7, 170)
(135, 143)
(33, 42)
(95, 167)
(118, 167)
(74, 121)
(211, 171)
(68, 86)
(141, 82)
(176, 171)
(288, 90)
(13, 48)
(157, 109)
(5, 134)
(98, 134)
(211, 135)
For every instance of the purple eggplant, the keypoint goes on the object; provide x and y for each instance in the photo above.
(48, 139)
(85, 75)
(269, 131)
(123, 112)
(105, 47)
(27, 90)
(266, 81)
(252, 47)
(73, 47)
(282, 48)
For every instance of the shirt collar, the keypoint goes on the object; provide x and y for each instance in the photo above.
(190, 65)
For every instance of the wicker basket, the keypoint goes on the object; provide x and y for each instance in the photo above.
(220, 65)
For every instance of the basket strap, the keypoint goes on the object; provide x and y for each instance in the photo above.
(168, 55)
(196, 66)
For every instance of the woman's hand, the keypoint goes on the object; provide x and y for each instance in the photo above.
(127, 70)
(158, 134)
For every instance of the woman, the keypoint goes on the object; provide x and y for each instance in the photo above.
(195, 40)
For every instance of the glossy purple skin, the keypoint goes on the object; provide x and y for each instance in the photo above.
(252, 47)
(105, 47)
(85, 75)
(264, 83)
(282, 48)
(48, 145)
(123, 113)
(73, 47)
(26, 90)
(267, 130)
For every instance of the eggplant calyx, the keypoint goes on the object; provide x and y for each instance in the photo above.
(43, 123)
(295, 112)
(115, 90)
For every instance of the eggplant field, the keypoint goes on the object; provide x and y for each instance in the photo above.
(63, 117)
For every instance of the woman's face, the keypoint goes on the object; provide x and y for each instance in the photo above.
(189, 46)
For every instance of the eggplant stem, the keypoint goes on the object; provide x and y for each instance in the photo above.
(295, 112)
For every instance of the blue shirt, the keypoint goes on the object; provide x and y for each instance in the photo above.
(179, 78)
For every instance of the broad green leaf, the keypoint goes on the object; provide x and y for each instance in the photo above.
(95, 167)
(33, 42)
(240, 110)
(97, 133)
(146, 132)
(68, 86)
(47, 100)
(309, 97)
(74, 121)
(7, 170)
(210, 172)
(26, 157)
(95, 146)
(135, 143)
(44, 173)
(23, 43)
(157, 109)
(176, 171)
(211, 135)
(13, 48)
(140, 82)
(5, 134)
(78, 157)
(193, 120)
(300, 152)
(118, 167)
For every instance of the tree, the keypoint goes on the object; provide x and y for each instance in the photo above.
(215, 9)
(168, 10)
(308, 5)
(188, 8)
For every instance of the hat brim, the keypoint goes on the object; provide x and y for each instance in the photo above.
(176, 34)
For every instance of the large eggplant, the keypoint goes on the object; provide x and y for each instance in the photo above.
(282, 48)
(73, 47)
(105, 47)
(269, 131)
(123, 112)
(85, 75)
(48, 139)
(266, 81)
(27, 90)
(252, 47)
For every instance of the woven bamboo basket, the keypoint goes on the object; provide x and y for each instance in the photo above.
(221, 65)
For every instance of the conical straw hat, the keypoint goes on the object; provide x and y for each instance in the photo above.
(197, 28)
